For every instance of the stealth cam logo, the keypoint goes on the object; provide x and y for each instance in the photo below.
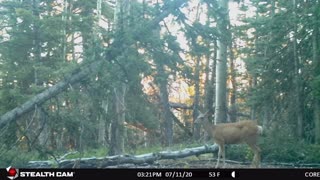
(13, 173)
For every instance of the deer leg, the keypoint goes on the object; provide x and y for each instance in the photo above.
(219, 155)
(256, 159)
(223, 155)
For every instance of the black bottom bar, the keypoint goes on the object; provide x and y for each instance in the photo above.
(13, 173)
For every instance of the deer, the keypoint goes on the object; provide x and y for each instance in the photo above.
(242, 132)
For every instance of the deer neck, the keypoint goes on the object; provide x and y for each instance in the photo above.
(208, 126)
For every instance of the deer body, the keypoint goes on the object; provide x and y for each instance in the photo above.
(233, 133)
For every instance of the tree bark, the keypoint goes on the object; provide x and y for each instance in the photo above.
(118, 134)
(210, 96)
(221, 68)
(164, 100)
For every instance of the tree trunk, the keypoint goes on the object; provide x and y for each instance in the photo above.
(44, 128)
(102, 126)
(36, 41)
(253, 78)
(196, 102)
(73, 45)
(164, 100)
(316, 61)
(196, 130)
(162, 82)
(253, 108)
(118, 130)
(297, 95)
(267, 110)
(210, 96)
(221, 68)
(40, 116)
(210, 72)
(64, 29)
(233, 109)
(317, 120)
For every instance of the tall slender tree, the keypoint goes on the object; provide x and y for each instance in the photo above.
(316, 62)
(221, 67)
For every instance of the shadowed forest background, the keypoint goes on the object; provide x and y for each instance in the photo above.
(111, 77)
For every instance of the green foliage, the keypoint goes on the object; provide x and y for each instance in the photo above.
(315, 84)
(279, 55)
(288, 150)
(239, 152)
(15, 157)
(312, 153)
(279, 147)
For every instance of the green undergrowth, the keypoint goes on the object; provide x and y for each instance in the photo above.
(290, 150)
(281, 150)
(16, 158)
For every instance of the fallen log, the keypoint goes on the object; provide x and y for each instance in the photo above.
(112, 161)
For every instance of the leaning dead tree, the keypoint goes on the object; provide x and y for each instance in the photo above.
(114, 161)
(79, 73)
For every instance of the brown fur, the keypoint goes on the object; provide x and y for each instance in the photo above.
(233, 133)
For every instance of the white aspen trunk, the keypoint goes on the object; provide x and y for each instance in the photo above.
(221, 68)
